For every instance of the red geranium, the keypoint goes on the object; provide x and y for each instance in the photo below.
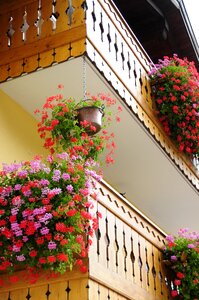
(175, 91)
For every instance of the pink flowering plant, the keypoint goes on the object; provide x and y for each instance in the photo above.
(46, 219)
(181, 254)
(175, 91)
(44, 214)
(60, 129)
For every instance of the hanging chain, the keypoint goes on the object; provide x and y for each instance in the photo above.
(84, 77)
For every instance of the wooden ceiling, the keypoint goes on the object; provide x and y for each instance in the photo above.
(161, 26)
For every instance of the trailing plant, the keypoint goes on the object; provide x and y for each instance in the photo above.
(60, 128)
(45, 205)
(175, 91)
(182, 256)
(44, 214)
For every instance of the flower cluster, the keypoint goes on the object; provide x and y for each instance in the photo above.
(44, 216)
(182, 255)
(175, 91)
(45, 206)
(60, 128)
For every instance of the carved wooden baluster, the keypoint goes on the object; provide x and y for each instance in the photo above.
(111, 246)
(24, 26)
(140, 263)
(98, 236)
(153, 270)
(149, 259)
(9, 298)
(116, 248)
(132, 256)
(103, 241)
(68, 290)
(10, 31)
(124, 252)
(156, 253)
(78, 290)
(147, 267)
(122, 55)
(116, 47)
(129, 255)
(135, 72)
(101, 26)
(109, 38)
(39, 22)
(69, 11)
(160, 274)
(144, 270)
(119, 246)
(102, 293)
(129, 65)
(48, 293)
(58, 290)
(140, 80)
(37, 292)
(93, 16)
(54, 16)
(107, 241)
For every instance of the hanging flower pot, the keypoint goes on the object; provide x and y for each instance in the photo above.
(90, 117)
(67, 125)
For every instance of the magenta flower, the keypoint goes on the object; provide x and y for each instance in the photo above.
(21, 257)
(69, 188)
(52, 245)
(44, 230)
(56, 175)
(191, 246)
(66, 176)
(173, 258)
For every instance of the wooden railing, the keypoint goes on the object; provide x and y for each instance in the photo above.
(70, 286)
(126, 257)
(36, 34)
(124, 262)
(115, 50)
(117, 53)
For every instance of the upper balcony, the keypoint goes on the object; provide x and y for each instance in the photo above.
(86, 45)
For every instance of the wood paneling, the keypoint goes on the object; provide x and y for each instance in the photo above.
(51, 46)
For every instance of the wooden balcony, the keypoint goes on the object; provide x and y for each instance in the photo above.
(124, 261)
(37, 35)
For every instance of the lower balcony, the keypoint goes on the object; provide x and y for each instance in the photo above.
(124, 261)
